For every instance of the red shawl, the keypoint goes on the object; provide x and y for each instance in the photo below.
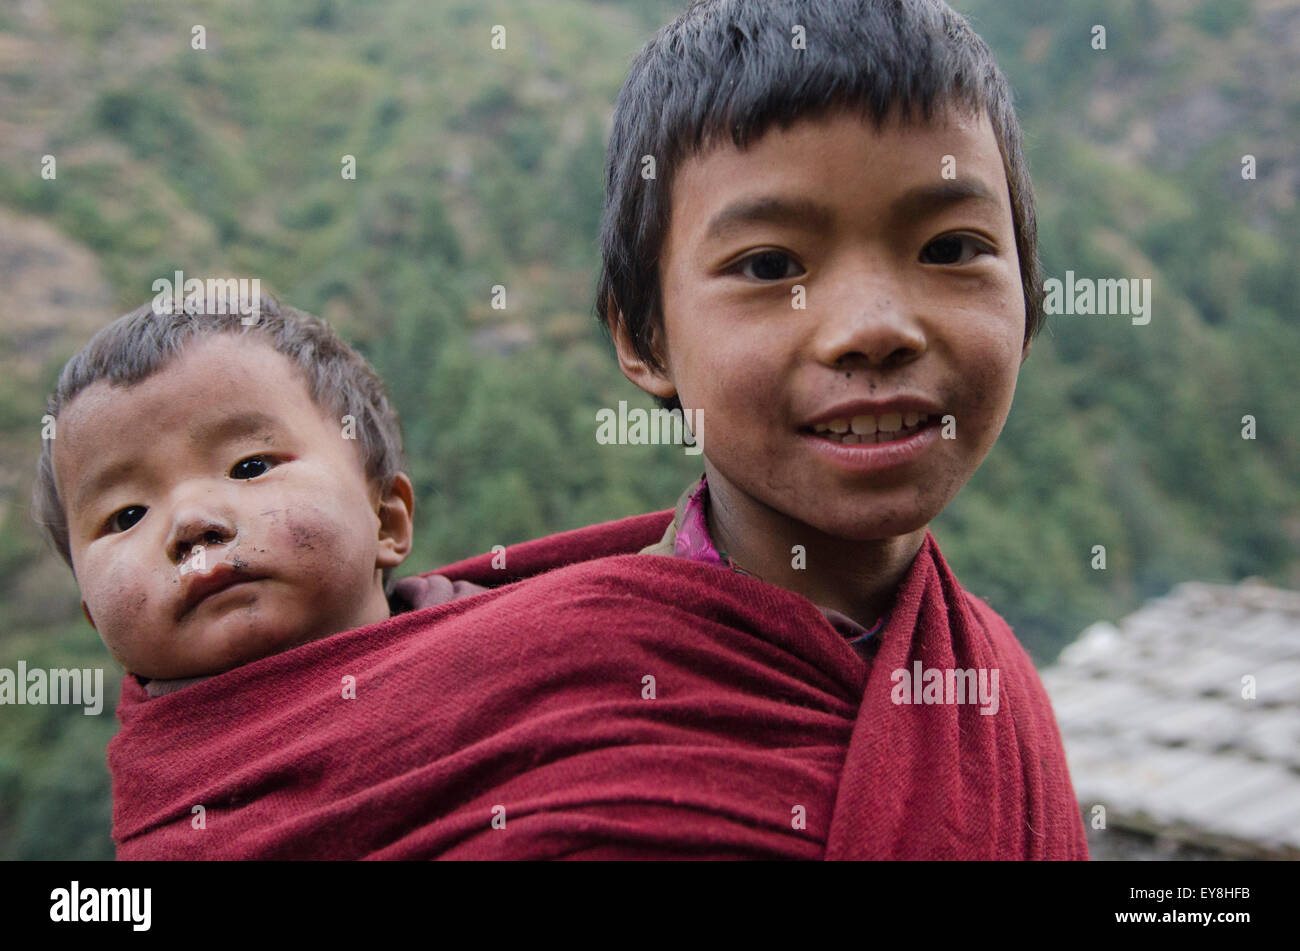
(522, 723)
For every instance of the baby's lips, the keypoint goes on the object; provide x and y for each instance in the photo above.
(199, 584)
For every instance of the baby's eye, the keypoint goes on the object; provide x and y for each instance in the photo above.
(115, 521)
(949, 249)
(769, 266)
(251, 468)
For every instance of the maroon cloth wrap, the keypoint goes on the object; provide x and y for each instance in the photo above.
(761, 735)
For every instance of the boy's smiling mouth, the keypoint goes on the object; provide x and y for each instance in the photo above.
(869, 429)
(865, 436)
(874, 421)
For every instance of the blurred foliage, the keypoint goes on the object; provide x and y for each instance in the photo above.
(477, 168)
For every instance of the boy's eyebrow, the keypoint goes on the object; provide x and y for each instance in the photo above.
(223, 430)
(805, 212)
(771, 209)
(929, 198)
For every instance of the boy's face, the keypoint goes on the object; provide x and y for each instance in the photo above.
(222, 448)
(911, 287)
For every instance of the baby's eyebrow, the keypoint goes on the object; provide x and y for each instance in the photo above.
(232, 427)
(93, 485)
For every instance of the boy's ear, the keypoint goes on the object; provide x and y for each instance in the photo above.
(396, 511)
(86, 611)
(654, 381)
(1024, 350)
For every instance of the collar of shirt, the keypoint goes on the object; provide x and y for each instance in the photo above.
(687, 536)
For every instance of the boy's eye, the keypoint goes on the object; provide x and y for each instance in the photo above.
(120, 521)
(250, 468)
(769, 266)
(952, 248)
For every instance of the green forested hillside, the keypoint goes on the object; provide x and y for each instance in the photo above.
(478, 167)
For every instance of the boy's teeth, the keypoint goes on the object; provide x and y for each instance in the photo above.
(863, 425)
(868, 428)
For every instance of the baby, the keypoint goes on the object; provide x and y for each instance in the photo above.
(224, 490)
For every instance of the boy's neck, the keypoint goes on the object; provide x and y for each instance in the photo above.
(857, 579)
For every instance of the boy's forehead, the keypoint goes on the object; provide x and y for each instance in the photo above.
(899, 141)
(943, 117)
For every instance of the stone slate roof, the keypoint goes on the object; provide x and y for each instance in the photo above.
(1156, 728)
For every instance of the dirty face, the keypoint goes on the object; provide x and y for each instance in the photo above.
(823, 283)
(216, 516)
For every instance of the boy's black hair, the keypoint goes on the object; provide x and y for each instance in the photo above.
(729, 66)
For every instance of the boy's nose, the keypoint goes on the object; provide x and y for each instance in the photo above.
(864, 315)
(876, 333)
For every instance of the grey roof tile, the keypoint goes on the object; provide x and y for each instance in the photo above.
(1154, 723)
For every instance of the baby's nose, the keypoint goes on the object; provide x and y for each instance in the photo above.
(195, 531)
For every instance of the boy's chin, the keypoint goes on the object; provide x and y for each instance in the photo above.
(858, 527)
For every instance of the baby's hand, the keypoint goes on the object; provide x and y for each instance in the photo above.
(426, 591)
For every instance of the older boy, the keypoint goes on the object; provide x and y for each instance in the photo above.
(847, 299)
(835, 264)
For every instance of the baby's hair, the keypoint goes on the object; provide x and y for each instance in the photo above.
(137, 345)
(729, 66)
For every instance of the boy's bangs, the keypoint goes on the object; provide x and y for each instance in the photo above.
(744, 81)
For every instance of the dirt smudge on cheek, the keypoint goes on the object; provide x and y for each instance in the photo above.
(304, 544)
(304, 535)
(318, 531)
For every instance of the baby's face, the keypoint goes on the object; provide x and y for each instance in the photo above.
(222, 449)
(828, 265)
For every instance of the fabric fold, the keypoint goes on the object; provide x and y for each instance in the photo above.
(598, 703)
